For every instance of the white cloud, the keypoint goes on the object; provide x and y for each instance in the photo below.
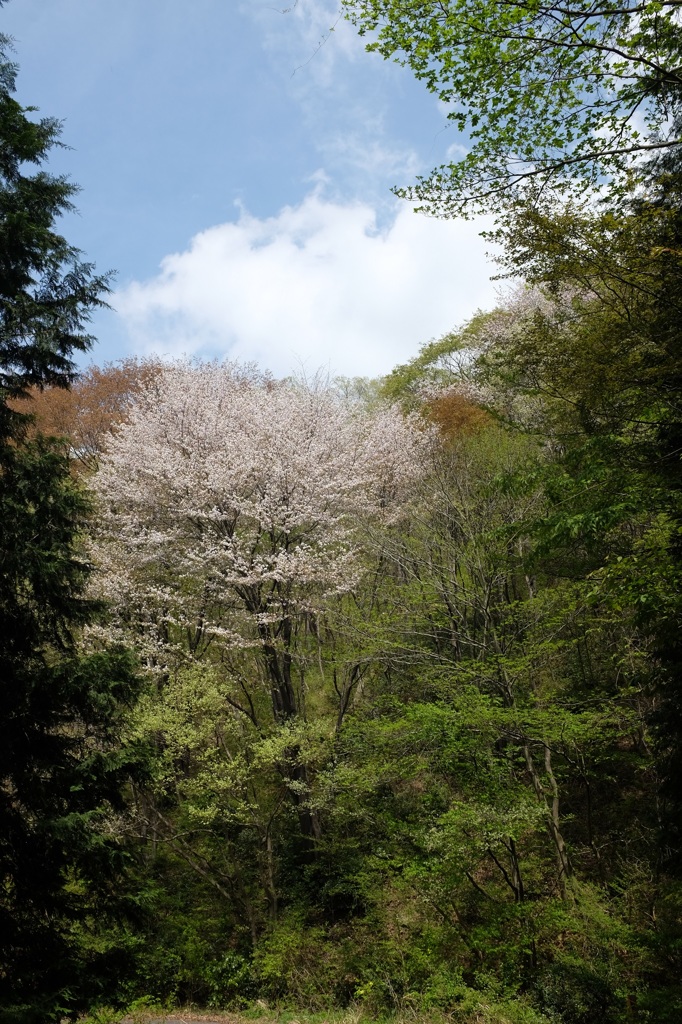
(318, 284)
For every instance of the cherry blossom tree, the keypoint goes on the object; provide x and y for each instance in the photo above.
(233, 511)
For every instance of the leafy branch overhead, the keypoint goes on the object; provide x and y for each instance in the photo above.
(546, 93)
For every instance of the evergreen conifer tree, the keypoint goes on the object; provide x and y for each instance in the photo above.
(60, 764)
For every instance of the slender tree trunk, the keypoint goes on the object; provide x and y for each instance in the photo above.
(552, 808)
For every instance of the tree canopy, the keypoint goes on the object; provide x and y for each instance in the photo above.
(545, 93)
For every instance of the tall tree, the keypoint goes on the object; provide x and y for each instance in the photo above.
(243, 498)
(59, 763)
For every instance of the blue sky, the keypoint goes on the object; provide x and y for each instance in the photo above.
(235, 160)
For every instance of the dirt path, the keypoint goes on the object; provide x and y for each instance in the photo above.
(188, 1018)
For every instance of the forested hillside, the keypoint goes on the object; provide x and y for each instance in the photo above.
(325, 693)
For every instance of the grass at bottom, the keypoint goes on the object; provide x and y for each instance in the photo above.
(150, 1014)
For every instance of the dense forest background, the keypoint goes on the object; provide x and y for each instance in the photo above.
(329, 693)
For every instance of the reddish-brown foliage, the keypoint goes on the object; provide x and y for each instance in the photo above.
(87, 413)
(454, 414)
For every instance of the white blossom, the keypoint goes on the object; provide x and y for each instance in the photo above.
(231, 503)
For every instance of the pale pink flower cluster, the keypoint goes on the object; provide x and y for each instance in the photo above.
(230, 502)
(495, 333)
(521, 305)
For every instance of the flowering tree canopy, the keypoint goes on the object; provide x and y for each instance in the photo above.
(231, 508)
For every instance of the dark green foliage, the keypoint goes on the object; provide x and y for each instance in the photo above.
(61, 765)
(62, 768)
